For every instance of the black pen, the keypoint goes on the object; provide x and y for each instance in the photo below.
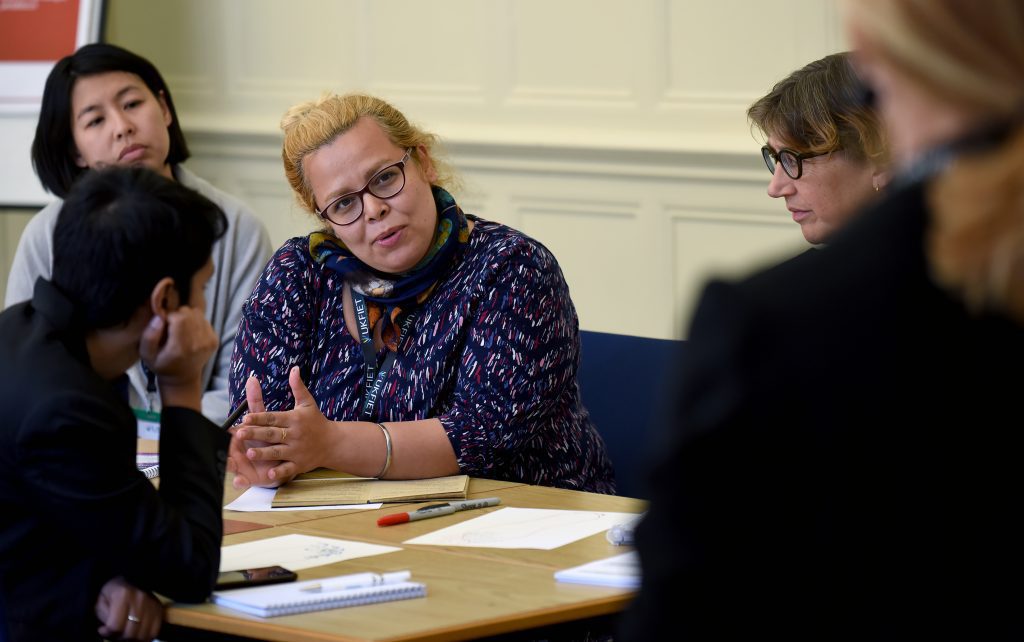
(235, 414)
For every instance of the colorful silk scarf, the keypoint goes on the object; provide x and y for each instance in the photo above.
(392, 295)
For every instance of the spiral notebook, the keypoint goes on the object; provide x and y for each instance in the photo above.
(148, 464)
(288, 599)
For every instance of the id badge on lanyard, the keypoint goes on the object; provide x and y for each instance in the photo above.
(148, 422)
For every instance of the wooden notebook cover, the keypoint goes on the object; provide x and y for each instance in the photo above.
(359, 490)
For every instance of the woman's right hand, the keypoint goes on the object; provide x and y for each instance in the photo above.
(248, 472)
(295, 441)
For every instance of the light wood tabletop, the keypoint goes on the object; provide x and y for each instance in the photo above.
(362, 525)
(471, 592)
(477, 488)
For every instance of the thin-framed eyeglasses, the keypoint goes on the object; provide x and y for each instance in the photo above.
(347, 208)
(792, 162)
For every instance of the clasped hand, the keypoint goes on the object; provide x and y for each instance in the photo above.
(270, 448)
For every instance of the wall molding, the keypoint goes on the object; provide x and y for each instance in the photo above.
(712, 164)
(682, 214)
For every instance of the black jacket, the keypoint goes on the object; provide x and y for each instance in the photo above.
(846, 455)
(75, 510)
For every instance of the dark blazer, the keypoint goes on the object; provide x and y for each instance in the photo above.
(75, 510)
(846, 455)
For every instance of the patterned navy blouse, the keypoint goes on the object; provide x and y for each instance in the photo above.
(493, 355)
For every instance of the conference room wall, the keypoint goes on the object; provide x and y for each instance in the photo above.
(611, 130)
(12, 222)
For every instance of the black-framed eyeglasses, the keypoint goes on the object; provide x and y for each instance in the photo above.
(792, 162)
(347, 208)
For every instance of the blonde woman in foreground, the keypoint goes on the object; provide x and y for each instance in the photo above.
(846, 458)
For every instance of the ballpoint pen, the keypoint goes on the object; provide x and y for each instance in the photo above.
(235, 414)
(436, 510)
(356, 581)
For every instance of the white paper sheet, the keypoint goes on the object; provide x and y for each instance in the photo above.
(258, 500)
(622, 571)
(524, 528)
(296, 552)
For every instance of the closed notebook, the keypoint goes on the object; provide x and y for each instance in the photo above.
(323, 491)
(287, 599)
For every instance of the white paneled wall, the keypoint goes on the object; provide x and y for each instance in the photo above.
(611, 130)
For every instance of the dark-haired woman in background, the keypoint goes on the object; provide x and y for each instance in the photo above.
(104, 105)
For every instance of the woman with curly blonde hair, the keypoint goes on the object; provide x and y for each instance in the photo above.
(405, 339)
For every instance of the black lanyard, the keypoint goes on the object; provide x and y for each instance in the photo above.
(374, 376)
(151, 395)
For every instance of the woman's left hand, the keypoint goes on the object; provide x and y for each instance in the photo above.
(298, 438)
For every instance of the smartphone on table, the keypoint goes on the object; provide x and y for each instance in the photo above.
(254, 577)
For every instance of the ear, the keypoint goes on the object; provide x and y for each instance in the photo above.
(164, 297)
(879, 179)
(426, 164)
(162, 99)
(79, 160)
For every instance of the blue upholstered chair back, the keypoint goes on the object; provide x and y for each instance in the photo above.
(623, 382)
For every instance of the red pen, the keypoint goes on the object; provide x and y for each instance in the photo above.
(436, 510)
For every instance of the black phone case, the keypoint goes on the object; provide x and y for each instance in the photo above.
(250, 577)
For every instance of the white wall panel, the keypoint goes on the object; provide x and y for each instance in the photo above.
(450, 65)
(723, 244)
(185, 39)
(575, 50)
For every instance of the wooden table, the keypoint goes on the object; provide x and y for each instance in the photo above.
(471, 592)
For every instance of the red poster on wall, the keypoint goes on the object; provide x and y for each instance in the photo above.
(34, 34)
(37, 30)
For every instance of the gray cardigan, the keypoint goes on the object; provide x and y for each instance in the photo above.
(238, 260)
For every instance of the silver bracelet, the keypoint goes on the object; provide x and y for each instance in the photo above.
(387, 459)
